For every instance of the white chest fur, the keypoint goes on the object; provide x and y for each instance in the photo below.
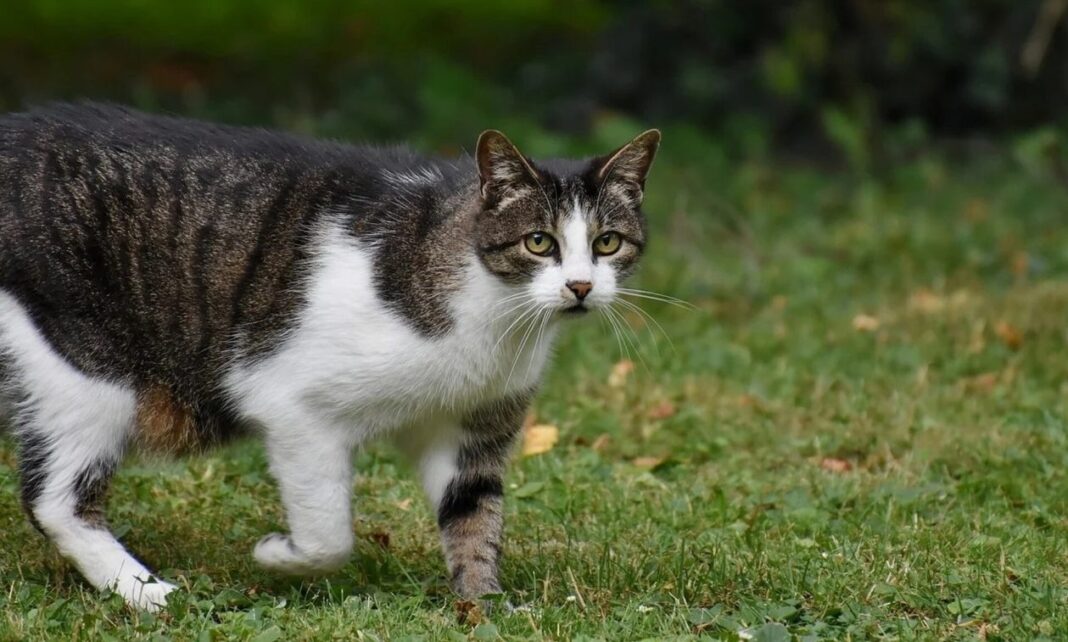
(353, 361)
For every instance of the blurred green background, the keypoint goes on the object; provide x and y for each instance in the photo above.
(861, 81)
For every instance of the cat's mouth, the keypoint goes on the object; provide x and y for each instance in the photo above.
(576, 310)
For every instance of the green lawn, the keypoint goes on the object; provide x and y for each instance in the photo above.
(861, 432)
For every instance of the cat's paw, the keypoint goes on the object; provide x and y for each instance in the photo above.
(277, 552)
(147, 595)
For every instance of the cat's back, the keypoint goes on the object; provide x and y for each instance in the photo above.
(120, 135)
(132, 159)
(140, 244)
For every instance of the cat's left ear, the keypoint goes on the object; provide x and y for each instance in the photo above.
(629, 165)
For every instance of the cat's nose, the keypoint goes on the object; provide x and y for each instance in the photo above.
(580, 288)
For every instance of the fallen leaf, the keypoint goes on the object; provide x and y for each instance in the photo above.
(1008, 334)
(539, 438)
(747, 400)
(404, 504)
(985, 382)
(926, 301)
(620, 372)
(647, 462)
(468, 612)
(601, 442)
(380, 537)
(865, 323)
(662, 410)
(834, 465)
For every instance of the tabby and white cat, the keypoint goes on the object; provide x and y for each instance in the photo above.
(165, 282)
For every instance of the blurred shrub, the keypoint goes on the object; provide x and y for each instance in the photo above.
(861, 77)
(840, 69)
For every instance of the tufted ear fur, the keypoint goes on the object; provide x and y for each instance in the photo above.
(625, 169)
(502, 170)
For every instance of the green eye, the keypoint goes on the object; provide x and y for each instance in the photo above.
(539, 243)
(607, 243)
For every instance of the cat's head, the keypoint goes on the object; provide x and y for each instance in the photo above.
(564, 232)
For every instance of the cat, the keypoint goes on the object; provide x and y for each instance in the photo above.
(167, 283)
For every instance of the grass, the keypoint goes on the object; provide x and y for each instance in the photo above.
(860, 433)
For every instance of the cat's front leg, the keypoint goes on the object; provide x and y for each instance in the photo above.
(312, 463)
(462, 467)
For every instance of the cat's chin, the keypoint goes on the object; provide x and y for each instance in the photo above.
(575, 311)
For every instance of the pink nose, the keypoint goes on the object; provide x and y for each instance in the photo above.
(580, 288)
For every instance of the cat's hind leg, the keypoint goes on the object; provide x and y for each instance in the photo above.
(64, 480)
(71, 430)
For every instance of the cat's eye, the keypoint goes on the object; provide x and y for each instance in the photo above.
(539, 243)
(607, 243)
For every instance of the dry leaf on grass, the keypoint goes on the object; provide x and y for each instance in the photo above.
(404, 504)
(620, 372)
(1008, 334)
(648, 462)
(539, 438)
(601, 442)
(468, 612)
(662, 410)
(926, 301)
(985, 382)
(834, 465)
(746, 400)
(865, 323)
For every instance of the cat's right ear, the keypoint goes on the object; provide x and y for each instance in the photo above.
(503, 171)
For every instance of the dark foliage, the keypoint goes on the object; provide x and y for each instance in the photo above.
(956, 67)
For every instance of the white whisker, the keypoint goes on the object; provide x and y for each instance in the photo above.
(637, 309)
(615, 331)
(523, 343)
(630, 337)
(537, 340)
(656, 296)
(519, 319)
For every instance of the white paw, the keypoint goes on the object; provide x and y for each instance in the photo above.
(277, 552)
(146, 595)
